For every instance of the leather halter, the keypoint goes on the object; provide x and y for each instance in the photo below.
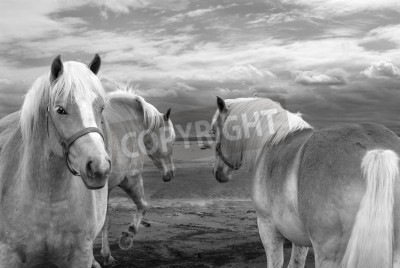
(66, 143)
(225, 160)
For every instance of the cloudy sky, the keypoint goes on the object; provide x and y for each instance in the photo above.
(332, 60)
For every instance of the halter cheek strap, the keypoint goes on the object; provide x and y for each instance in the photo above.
(66, 143)
(225, 160)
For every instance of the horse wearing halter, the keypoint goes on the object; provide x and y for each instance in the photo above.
(57, 68)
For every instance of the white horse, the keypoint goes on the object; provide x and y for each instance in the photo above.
(54, 168)
(335, 189)
(137, 129)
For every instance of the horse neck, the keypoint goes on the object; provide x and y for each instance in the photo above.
(287, 126)
(127, 110)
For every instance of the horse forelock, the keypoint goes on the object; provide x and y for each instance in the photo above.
(77, 81)
(262, 122)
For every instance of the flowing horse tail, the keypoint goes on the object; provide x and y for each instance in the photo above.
(370, 243)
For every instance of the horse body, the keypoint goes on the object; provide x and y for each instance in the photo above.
(47, 215)
(331, 195)
(54, 219)
(335, 189)
(42, 220)
(137, 129)
(126, 122)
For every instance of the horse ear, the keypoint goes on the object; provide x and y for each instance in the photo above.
(94, 65)
(221, 104)
(56, 68)
(167, 114)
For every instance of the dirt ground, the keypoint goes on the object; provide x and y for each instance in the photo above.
(193, 221)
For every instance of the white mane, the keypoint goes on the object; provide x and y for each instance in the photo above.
(152, 118)
(261, 121)
(77, 80)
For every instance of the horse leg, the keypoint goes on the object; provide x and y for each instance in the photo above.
(133, 186)
(272, 241)
(326, 253)
(298, 257)
(81, 256)
(95, 264)
(105, 245)
(396, 258)
(321, 262)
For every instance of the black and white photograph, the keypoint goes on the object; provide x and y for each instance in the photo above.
(199, 133)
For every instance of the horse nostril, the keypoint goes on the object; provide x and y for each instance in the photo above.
(89, 169)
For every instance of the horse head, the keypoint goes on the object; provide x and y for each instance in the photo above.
(158, 145)
(225, 162)
(75, 121)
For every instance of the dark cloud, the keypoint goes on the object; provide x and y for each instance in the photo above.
(379, 45)
(11, 97)
(358, 101)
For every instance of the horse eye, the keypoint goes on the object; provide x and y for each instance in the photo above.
(102, 108)
(60, 110)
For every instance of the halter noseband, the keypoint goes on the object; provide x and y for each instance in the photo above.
(66, 143)
(224, 159)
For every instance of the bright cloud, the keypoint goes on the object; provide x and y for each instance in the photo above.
(313, 78)
(345, 7)
(382, 70)
(125, 6)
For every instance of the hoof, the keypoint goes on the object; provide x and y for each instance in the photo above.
(132, 229)
(146, 223)
(109, 261)
(126, 240)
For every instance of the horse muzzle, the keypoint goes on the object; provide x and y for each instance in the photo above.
(169, 175)
(221, 177)
(96, 173)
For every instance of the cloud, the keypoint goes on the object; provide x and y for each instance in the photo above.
(246, 73)
(200, 12)
(191, 14)
(344, 7)
(34, 20)
(125, 6)
(313, 78)
(280, 18)
(228, 53)
(5, 81)
(382, 69)
(11, 96)
(390, 33)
